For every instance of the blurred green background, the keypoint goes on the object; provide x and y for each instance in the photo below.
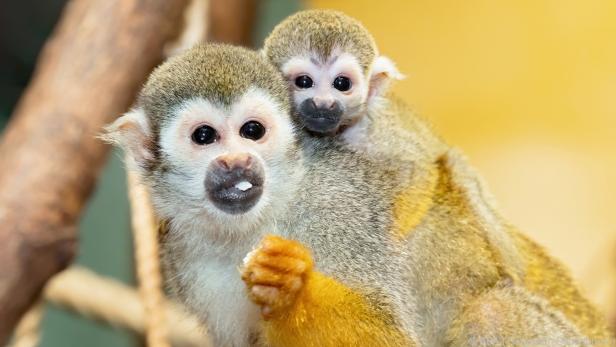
(106, 242)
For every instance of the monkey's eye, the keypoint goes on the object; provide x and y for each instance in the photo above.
(304, 82)
(342, 83)
(204, 135)
(252, 130)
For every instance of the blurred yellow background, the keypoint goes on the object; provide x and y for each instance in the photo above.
(528, 90)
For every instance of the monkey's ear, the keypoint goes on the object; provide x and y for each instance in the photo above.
(383, 72)
(132, 132)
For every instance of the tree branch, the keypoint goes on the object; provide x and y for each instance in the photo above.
(87, 74)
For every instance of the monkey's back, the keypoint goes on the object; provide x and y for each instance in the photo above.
(472, 251)
(548, 278)
(461, 247)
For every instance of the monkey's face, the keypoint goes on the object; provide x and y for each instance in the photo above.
(212, 137)
(329, 93)
(225, 160)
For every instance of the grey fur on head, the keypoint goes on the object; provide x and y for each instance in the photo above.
(320, 31)
(200, 68)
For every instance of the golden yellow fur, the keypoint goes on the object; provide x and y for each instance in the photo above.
(316, 319)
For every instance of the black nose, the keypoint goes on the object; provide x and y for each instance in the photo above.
(234, 184)
(320, 120)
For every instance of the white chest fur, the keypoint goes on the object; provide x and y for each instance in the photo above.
(218, 289)
(212, 288)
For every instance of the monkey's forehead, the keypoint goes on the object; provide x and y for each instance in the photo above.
(320, 31)
(216, 72)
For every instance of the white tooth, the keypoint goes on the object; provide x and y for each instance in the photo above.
(243, 186)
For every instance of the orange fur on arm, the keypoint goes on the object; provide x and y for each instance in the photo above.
(327, 313)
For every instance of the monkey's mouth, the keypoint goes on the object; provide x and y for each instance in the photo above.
(320, 120)
(321, 125)
(235, 192)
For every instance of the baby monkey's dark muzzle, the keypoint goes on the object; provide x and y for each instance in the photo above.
(320, 119)
(234, 183)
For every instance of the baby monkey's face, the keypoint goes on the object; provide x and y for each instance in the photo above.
(329, 93)
(225, 157)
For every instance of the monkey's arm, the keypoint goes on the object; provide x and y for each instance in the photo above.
(303, 307)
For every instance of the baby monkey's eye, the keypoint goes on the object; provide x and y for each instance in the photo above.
(342, 83)
(304, 82)
(252, 130)
(204, 135)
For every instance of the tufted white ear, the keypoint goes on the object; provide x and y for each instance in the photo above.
(382, 73)
(132, 132)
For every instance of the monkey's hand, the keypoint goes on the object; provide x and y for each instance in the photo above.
(276, 273)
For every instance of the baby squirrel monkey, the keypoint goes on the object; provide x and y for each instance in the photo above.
(213, 139)
(475, 279)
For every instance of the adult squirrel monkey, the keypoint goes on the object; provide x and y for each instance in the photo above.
(269, 240)
(475, 279)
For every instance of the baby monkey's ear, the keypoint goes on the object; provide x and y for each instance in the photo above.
(382, 73)
(132, 132)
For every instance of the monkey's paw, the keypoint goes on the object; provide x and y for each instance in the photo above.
(275, 274)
